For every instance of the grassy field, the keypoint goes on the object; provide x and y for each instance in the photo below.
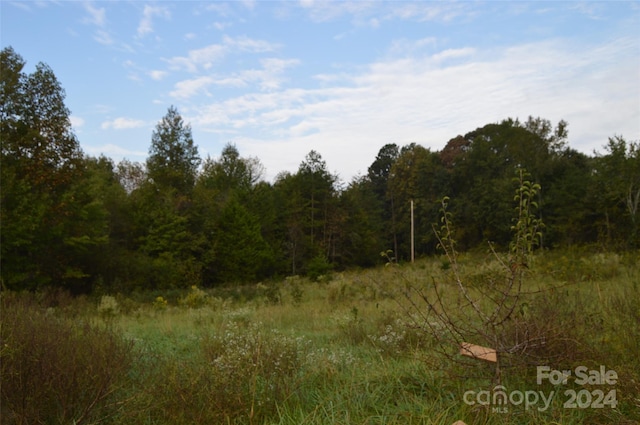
(359, 347)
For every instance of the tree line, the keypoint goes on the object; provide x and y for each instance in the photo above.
(80, 222)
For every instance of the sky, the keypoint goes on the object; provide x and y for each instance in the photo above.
(281, 78)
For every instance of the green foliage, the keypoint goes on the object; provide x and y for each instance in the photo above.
(80, 222)
(527, 227)
(50, 213)
(618, 183)
(318, 267)
(296, 292)
(160, 303)
(196, 298)
(231, 173)
(489, 300)
(240, 254)
(173, 157)
(416, 176)
(345, 352)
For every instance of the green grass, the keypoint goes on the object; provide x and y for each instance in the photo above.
(353, 350)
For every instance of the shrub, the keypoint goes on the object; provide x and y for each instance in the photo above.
(160, 303)
(318, 267)
(56, 371)
(196, 298)
(296, 292)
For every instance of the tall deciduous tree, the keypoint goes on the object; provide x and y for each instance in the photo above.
(618, 177)
(43, 221)
(484, 167)
(231, 172)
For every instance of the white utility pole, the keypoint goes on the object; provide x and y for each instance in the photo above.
(412, 235)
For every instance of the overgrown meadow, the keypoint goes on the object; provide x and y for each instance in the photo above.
(359, 347)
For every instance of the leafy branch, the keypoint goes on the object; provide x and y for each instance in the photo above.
(483, 311)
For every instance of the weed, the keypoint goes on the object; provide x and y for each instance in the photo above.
(254, 370)
(108, 307)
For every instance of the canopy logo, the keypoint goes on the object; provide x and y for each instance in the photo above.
(500, 400)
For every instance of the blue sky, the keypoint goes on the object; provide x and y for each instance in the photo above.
(280, 78)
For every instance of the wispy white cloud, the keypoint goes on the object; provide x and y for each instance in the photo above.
(592, 10)
(250, 45)
(103, 37)
(157, 74)
(122, 123)
(221, 9)
(76, 121)
(431, 98)
(373, 14)
(146, 22)
(103, 34)
(21, 5)
(249, 4)
(432, 11)
(95, 15)
(188, 88)
(268, 78)
(454, 54)
(323, 11)
(205, 57)
(404, 46)
(221, 26)
(198, 58)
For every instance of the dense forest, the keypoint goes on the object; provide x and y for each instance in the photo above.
(85, 223)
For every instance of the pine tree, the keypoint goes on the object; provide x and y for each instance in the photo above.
(173, 158)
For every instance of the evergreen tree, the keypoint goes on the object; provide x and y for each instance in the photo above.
(240, 254)
(379, 174)
(173, 158)
(165, 223)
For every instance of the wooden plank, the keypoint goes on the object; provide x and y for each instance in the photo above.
(478, 352)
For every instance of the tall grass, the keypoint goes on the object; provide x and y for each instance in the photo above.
(345, 350)
(56, 370)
